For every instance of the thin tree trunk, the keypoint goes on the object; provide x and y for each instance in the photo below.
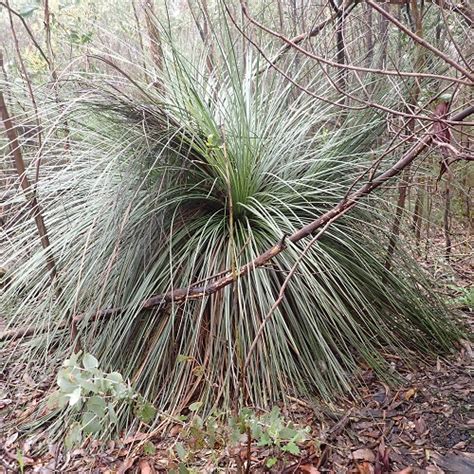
(468, 208)
(36, 211)
(411, 107)
(155, 41)
(418, 210)
(280, 16)
(26, 77)
(341, 48)
(397, 221)
(140, 40)
(369, 37)
(204, 33)
(447, 217)
(429, 208)
(383, 34)
(54, 75)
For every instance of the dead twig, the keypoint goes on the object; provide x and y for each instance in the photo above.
(351, 67)
(193, 292)
(421, 41)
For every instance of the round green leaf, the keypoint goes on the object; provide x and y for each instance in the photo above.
(73, 436)
(75, 396)
(90, 362)
(97, 406)
(90, 423)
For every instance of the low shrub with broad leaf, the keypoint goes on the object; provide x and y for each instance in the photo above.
(92, 398)
(270, 430)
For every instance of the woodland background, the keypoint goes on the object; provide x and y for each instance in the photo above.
(236, 236)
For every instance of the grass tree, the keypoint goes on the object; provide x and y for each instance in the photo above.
(160, 188)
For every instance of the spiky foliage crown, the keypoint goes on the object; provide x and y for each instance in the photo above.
(165, 186)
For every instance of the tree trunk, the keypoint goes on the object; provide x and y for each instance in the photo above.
(447, 218)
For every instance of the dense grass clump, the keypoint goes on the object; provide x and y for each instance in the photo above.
(167, 185)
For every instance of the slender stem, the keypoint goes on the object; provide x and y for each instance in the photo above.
(420, 40)
(350, 67)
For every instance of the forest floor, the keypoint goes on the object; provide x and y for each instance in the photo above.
(424, 425)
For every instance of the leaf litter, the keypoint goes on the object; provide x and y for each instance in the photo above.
(425, 426)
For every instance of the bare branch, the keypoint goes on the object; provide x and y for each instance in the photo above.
(30, 33)
(421, 41)
(36, 210)
(351, 67)
(346, 9)
(194, 292)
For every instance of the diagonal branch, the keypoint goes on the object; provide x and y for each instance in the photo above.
(36, 211)
(25, 184)
(352, 67)
(28, 30)
(420, 40)
(194, 292)
(343, 11)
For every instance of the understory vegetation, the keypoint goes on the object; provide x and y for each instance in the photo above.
(160, 170)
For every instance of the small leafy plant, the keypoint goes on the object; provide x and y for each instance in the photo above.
(93, 397)
(271, 430)
(461, 297)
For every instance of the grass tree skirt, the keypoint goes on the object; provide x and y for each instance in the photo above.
(157, 187)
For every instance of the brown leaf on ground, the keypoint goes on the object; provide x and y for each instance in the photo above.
(410, 393)
(175, 430)
(145, 467)
(365, 468)
(309, 469)
(420, 425)
(363, 455)
(462, 463)
(126, 465)
(136, 437)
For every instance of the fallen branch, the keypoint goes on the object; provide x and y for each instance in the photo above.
(27, 331)
(281, 294)
(193, 292)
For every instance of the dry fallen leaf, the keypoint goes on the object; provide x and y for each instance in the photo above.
(136, 437)
(10, 440)
(468, 348)
(462, 463)
(363, 455)
(407, 470)
(145, 467)
(126, 465)
(309, 468)
(365, 468)
(175, 430)
(432, 469)
(420, 425)
(29, 380)
(409, 393)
